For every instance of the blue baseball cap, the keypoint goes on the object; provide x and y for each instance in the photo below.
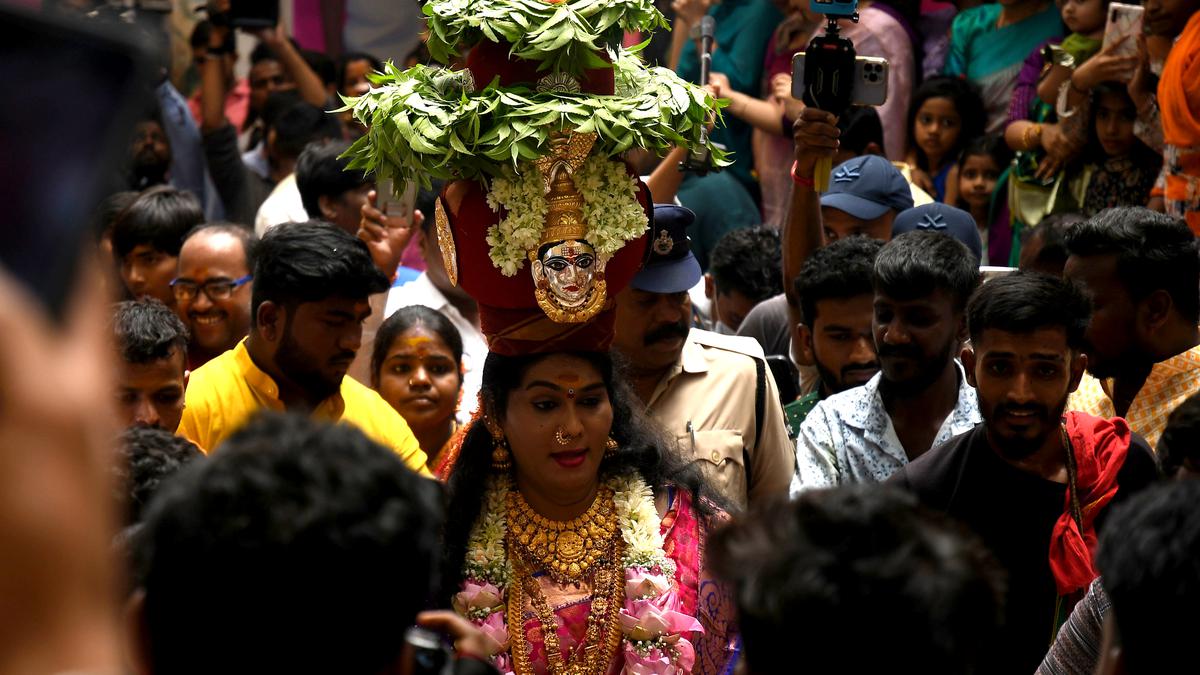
(939, 217)
(671, 267)
(867, 187)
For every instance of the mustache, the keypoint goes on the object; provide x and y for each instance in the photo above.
(872, 367)
(666, 331)
(899, 351)
(1039, 410)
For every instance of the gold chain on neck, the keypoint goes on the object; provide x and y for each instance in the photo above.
(566, 550)
(602, 637)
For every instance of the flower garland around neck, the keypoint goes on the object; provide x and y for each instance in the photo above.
(611, 209)
(653, 627)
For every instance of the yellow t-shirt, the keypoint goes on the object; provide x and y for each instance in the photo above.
(225, 392)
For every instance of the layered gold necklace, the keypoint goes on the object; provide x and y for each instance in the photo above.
(567, 551)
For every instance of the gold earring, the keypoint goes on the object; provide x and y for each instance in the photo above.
(501, 457)
(610, 448)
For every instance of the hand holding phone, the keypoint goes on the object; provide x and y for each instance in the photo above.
(1124, 25)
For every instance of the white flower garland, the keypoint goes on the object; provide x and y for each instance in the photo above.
(611, 209)
(651, 624)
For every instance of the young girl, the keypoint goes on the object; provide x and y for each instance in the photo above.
(946, 112)
(982, 162)
(1125, 169)
(416, 367)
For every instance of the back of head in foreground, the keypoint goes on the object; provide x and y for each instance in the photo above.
(1149, 560)
(297, 547)
(869, 579)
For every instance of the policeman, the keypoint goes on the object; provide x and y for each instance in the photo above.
(711, 392)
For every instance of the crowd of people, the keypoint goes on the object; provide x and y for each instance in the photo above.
(941, 417)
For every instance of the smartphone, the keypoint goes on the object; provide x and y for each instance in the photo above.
(60, 159)
(392, 204)
(870, 80)
(1124, 21)
(430, 656)
(254, 14)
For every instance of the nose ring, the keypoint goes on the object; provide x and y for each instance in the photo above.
(562, 437)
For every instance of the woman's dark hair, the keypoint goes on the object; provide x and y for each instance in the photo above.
(642, 449)
(410, 317)
(1094, 152)
(967, 102)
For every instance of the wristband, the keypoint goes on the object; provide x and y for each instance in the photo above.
(801, 180)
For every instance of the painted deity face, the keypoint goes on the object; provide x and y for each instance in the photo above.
(570, 269)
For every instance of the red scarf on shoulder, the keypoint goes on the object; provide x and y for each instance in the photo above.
(1100, 447)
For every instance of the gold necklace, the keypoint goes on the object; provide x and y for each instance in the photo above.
(602, 637)
(566, 550)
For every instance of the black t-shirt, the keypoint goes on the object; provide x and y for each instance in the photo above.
(1013, 512)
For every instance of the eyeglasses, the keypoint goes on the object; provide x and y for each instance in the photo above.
(216, 289)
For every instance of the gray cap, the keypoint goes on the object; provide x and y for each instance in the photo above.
(867, 187)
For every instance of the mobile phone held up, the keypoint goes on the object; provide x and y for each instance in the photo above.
(869, 85)
(254, 14)
(1124, 21)
(393, 204)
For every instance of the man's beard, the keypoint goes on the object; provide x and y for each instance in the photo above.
(299, 367)
(149, 171)
(1017, 447)
(835, 384)
(927, 370)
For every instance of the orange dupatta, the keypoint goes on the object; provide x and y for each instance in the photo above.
(1179, 108)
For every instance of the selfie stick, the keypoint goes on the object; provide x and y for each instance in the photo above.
(829, 85)
(700, 160)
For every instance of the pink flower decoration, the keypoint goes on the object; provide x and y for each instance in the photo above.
(476, 595)
(643, 620)
(640, 582)
(653, 663)
(497, 631)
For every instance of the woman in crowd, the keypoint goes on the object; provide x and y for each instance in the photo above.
(989, 43)
(562, 454)
(416, 367)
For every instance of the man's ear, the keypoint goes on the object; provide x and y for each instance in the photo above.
(137, 639)
(1154, 311)
(270, 318)
(967, 356)
(804, 348)
(1078, 365)
(329, 210)
(710, 288)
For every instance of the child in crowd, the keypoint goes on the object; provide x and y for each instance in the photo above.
(973, 189)
(1125, 169)
(1086, 20)
(945, 114)
(416, 367)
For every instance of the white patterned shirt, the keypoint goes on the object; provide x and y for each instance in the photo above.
(849, 437)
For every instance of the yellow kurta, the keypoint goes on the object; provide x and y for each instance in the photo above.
(224, 393)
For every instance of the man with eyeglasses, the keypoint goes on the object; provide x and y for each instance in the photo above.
(212, 291)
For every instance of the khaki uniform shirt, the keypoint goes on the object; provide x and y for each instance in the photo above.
(707, 403)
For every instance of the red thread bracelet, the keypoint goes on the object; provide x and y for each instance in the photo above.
(801, 180)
